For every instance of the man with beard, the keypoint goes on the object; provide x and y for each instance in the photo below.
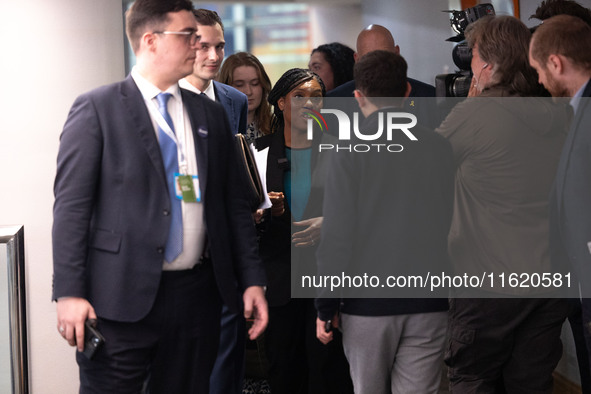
(560, 51)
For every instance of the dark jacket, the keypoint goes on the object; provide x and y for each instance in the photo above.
(387, 214)
(111, 212)
(280, 258)
(506, 150)
(236, 105)
(570, 218)
(418, 89)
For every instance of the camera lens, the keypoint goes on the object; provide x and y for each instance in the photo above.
(460, 86)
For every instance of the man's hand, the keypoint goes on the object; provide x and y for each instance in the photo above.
(278, 203)
(321, 334)
(72, 312)
(309, 236)
(255, 307)
(258, 215)
(475, 90)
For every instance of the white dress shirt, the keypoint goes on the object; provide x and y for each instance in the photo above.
(192, 212)
(209, 90)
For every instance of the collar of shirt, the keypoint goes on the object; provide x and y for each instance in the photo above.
(574, 102)
(209, 90)
(149, 91)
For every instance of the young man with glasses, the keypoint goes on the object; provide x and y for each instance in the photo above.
(145, 169)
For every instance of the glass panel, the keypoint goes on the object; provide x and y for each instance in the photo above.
(14, 367)
(5, 370)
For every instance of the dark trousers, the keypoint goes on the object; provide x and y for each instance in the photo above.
(580, 333)
(504, 345)
(171, 350)
(228, 372)
(298, 362)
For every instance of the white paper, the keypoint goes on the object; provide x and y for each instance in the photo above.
(260, 158)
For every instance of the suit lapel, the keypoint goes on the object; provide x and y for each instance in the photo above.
(568, 145)
(200, 127)
(133, 102)
(222, 95)
(587, 91)
(277, 163)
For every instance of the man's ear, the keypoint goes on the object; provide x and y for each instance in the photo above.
(148, 41)
(408, 89)
(555, 64)
(360, 98)
(281, 103)
(355, 56)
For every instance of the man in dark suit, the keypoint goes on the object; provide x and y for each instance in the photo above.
(210, 54)
(377, 37)
(150, 230)
(560, 51)
(373, 38)
(228, 371)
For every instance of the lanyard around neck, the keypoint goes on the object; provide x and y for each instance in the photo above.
(179, 137)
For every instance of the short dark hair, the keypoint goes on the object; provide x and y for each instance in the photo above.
(147, 15)
(207, 17)
(341, 59)
(564, 35)
(550, 8)
(380, 75)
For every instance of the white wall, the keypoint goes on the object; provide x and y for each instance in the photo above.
(51, 52)
(335, 23)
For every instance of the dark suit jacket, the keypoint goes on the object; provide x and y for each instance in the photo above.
(570, 217)
(425, 110)
(236, 105)
(275, 239)
(111, 212)
(387, 214)
(418, 89)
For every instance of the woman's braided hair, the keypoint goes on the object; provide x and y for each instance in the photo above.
(289, 81)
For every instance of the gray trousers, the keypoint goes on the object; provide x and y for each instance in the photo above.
(397, 354)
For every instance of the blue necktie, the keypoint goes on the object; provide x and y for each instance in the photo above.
(168, 148)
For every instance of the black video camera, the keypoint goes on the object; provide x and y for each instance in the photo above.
(458, 84)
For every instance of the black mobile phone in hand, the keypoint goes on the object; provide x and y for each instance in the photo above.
(93, 339)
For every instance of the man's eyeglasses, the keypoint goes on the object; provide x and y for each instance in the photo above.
(190, 36)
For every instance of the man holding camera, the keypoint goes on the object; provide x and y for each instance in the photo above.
(506, 150)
